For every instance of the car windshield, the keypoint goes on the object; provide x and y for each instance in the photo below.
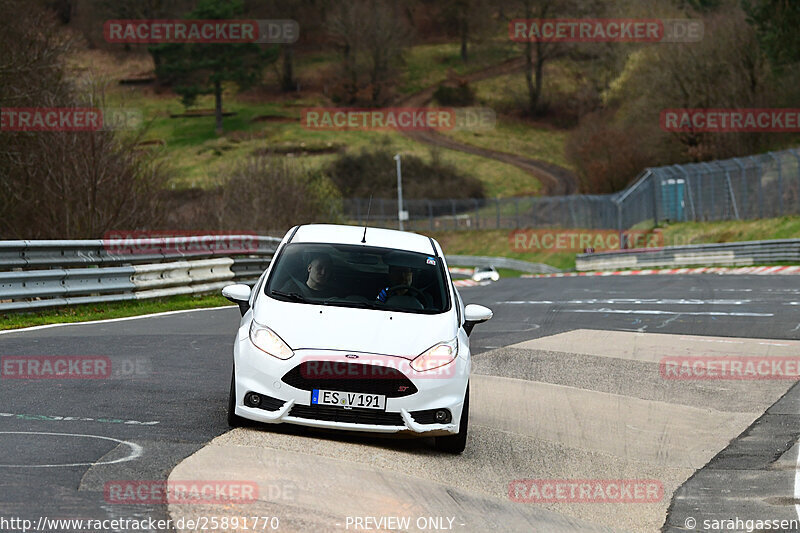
(359, 276)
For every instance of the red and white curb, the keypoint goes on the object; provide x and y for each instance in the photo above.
(469, 283)
(758, 271)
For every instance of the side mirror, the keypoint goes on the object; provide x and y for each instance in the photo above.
(475, 314)
(238, 294)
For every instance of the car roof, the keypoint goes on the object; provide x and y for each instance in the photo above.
(384, 238)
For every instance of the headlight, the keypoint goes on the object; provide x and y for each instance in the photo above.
(437, 356)
(268, 341)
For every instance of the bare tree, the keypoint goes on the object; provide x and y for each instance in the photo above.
(309, 14)
(371, 36)
(470, 19)
(57, 184)
(266, 193)
(537, 52)
(727, 69)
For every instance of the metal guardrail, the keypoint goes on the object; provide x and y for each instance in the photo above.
(500, 262)
(723, 254)
(125, 269)
(38, 274)
(104, 252)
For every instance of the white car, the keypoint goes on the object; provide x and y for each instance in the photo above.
(484, 273)
(357, 329)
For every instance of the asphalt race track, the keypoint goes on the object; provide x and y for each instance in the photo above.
(566, 386)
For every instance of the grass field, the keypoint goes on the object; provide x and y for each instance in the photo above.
(731, 231)
(264, 123)
(85, 313)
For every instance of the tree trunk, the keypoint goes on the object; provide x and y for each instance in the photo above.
(529, 78)
(537, 93)
(288, 83)
(464, 29)
(218, 105)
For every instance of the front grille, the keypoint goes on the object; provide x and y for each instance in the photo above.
(349, 377)
(353, 416)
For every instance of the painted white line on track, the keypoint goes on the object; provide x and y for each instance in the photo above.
(635, 301)
(58, 418)
(659, 312)
(756, 271)
(109, 320)
(693, 339)
(136, 450)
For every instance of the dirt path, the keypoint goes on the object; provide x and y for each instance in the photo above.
(555, 180)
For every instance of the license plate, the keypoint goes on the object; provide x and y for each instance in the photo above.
(348, 400)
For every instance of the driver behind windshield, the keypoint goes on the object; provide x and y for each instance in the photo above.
(399, 283)
(318, 281)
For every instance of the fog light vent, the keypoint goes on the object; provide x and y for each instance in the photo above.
(251, 399)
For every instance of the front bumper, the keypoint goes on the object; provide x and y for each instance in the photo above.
(261, 373)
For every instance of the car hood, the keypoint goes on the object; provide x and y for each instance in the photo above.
(324, 327)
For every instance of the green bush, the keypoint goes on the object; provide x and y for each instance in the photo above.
(374, 173)
(459, 96)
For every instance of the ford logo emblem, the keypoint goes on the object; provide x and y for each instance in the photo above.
(351, 356)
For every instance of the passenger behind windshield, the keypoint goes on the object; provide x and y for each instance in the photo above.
(318, 279)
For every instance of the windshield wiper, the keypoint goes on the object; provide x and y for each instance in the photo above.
(360, 305)
(297, 297)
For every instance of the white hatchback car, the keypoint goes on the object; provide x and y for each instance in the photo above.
(485, 273)
(358, 329)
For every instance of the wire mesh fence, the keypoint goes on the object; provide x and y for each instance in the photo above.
(760, 186)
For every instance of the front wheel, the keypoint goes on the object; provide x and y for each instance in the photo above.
(234, 420)
(455, 444)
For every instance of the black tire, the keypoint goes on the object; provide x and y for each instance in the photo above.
(234, 420)
(455, 444)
